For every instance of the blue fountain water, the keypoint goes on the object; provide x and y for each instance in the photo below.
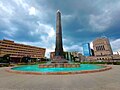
(35, 68)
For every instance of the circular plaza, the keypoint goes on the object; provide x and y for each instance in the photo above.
(107, 80)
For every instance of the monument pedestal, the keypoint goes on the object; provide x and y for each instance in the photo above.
(59, 59)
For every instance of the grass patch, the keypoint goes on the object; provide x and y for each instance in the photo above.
(114, 63)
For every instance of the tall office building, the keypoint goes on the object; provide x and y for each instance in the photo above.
(102, 47)
(86, 49)
(17, 51)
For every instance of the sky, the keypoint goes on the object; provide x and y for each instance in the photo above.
(33, 22)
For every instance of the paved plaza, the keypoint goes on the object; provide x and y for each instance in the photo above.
(106, 80)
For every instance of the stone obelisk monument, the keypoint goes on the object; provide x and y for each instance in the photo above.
(59, 46)
(59, 58)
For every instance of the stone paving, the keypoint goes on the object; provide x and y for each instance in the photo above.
(106, 80)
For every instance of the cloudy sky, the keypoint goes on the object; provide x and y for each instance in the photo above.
(32, 22)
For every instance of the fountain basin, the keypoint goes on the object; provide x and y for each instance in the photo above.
(35, 70)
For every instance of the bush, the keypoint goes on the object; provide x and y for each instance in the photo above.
(114, 63)
(4, 64)
(5, 59)
(25, 59)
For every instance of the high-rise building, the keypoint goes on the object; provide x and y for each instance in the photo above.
(17, 51)
(86, 49)
(102, 47)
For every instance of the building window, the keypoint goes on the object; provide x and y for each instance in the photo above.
(96, 49)
(103, 47)
(100, 48)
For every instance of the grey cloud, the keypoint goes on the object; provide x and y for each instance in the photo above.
(17, 24)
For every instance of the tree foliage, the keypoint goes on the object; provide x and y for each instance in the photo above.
(5, 59)
(25, 59)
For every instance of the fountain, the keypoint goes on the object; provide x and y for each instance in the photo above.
(59, 60)
(59, 65)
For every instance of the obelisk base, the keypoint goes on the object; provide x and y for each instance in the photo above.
(59, 59)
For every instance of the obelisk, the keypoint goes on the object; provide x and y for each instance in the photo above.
(59, 45)
(59, 57)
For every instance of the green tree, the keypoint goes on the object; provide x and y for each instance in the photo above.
(5, 59)
(25, 59)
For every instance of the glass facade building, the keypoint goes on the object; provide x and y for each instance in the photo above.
(86, 49)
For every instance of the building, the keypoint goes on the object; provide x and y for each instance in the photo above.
(102, 47)
(17, 51)
(102, 51)
(86, 49)
(52, 55)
